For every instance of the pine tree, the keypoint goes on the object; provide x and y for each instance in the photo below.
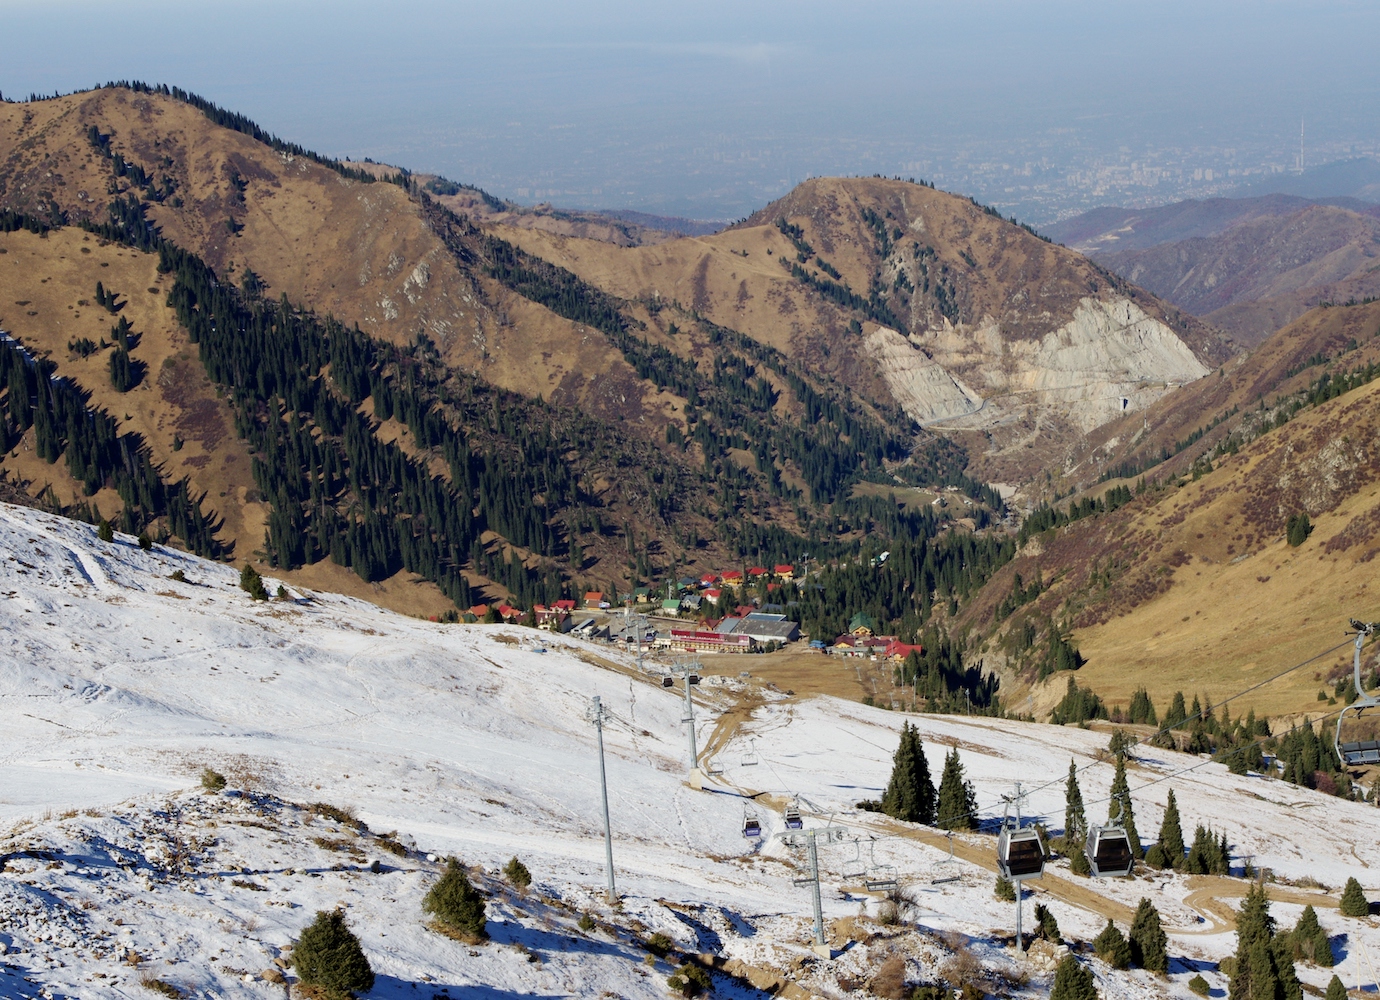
(329, 958)
(1310, 941)
(957, 800)
(1075, 821)
(1264, 967)
(1172, 833)
(1112, 947)
(252, 583)
(1149, 944)
(1336, 990)
(1121, 802)
(1073, 981)
(1177, 714)
(105, 532)
(1354, 900)
(910, 793)
(456, 904)
(517, 873)
(1048, 927)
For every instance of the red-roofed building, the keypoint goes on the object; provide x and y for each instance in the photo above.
(708, 580)
(700, 640)
(713, 594)
(784, 570)
(553, 619)
(567, 606)
(734, 576)
(896, 650)
(743, 610)
(479, 610)
(509, 613)
(757, 572)
(594, 600)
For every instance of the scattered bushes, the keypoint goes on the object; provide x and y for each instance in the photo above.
(659, 944)
(212, 781)
(889, 981)
(516, 873)
(329, 958)
(690, 981)
(160, 986)
(586, 922)
(457, 905)
(1199, 985)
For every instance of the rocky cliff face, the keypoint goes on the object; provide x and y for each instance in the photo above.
(1111, 358)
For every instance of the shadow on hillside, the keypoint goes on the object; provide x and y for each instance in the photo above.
(392, 987)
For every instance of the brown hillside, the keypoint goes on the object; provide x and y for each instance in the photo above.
(1262, 270)
(1012, 345)
(49, 288)
(1242, 385)
(1194, 588)
(361, 252)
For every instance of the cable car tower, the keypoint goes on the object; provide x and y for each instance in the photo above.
(811, 839)
(689, 670)
(1020, 852)
(1358, 727)
(1109, 848)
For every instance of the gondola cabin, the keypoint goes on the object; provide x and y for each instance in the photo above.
(752, 828)
(1020, 853)
(793, 820)
(1109, 852)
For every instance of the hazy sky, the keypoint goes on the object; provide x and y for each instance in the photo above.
(711, 108)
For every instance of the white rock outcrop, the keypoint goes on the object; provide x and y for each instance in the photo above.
(1110, 358)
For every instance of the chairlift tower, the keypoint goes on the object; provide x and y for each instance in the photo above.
(689, 669)
(639, 625)
(597, 714)
(809, 839)
(1359, 751)
(1020, 853)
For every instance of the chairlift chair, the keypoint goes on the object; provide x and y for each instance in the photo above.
(1357, 740)
(750, 759)
(880, 878)
(1020, 852)
(855, 867)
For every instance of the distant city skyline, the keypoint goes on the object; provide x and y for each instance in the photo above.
(712, 110)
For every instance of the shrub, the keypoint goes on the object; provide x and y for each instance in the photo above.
(659, 944)
(1004, 889)
(457, 905)
(1048, 926)
(516, 872)
(1155, 857)
(212, 781)
(178, 575)
(1199, 985)
(160, 986)
(105, 532)
(1298, 529)
(1073, 981)
(1112, 947)
(145, 542)
(282, 593)
(586, 922)
(252, 583)
(690, 981)
(1354, 900)
(328, 957)
(889, 981)
(1079, 863)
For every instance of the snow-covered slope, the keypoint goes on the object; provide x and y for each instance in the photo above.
(119, 684)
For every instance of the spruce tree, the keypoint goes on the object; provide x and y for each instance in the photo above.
(1073, 981)
(1336, 990)
(1112, 947)
(456, 904)
(1149, 944)
(1174, 718)
(1172, 834)
(1310, 940)
(1264, 966)
(910, 792)
(957, 800)
(329, 958)
(1121, 800)
(1075, 821)
(1354, 900)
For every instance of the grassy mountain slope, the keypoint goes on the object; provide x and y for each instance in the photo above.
(1195, 419)
(1318, 253)
(1193, 586)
